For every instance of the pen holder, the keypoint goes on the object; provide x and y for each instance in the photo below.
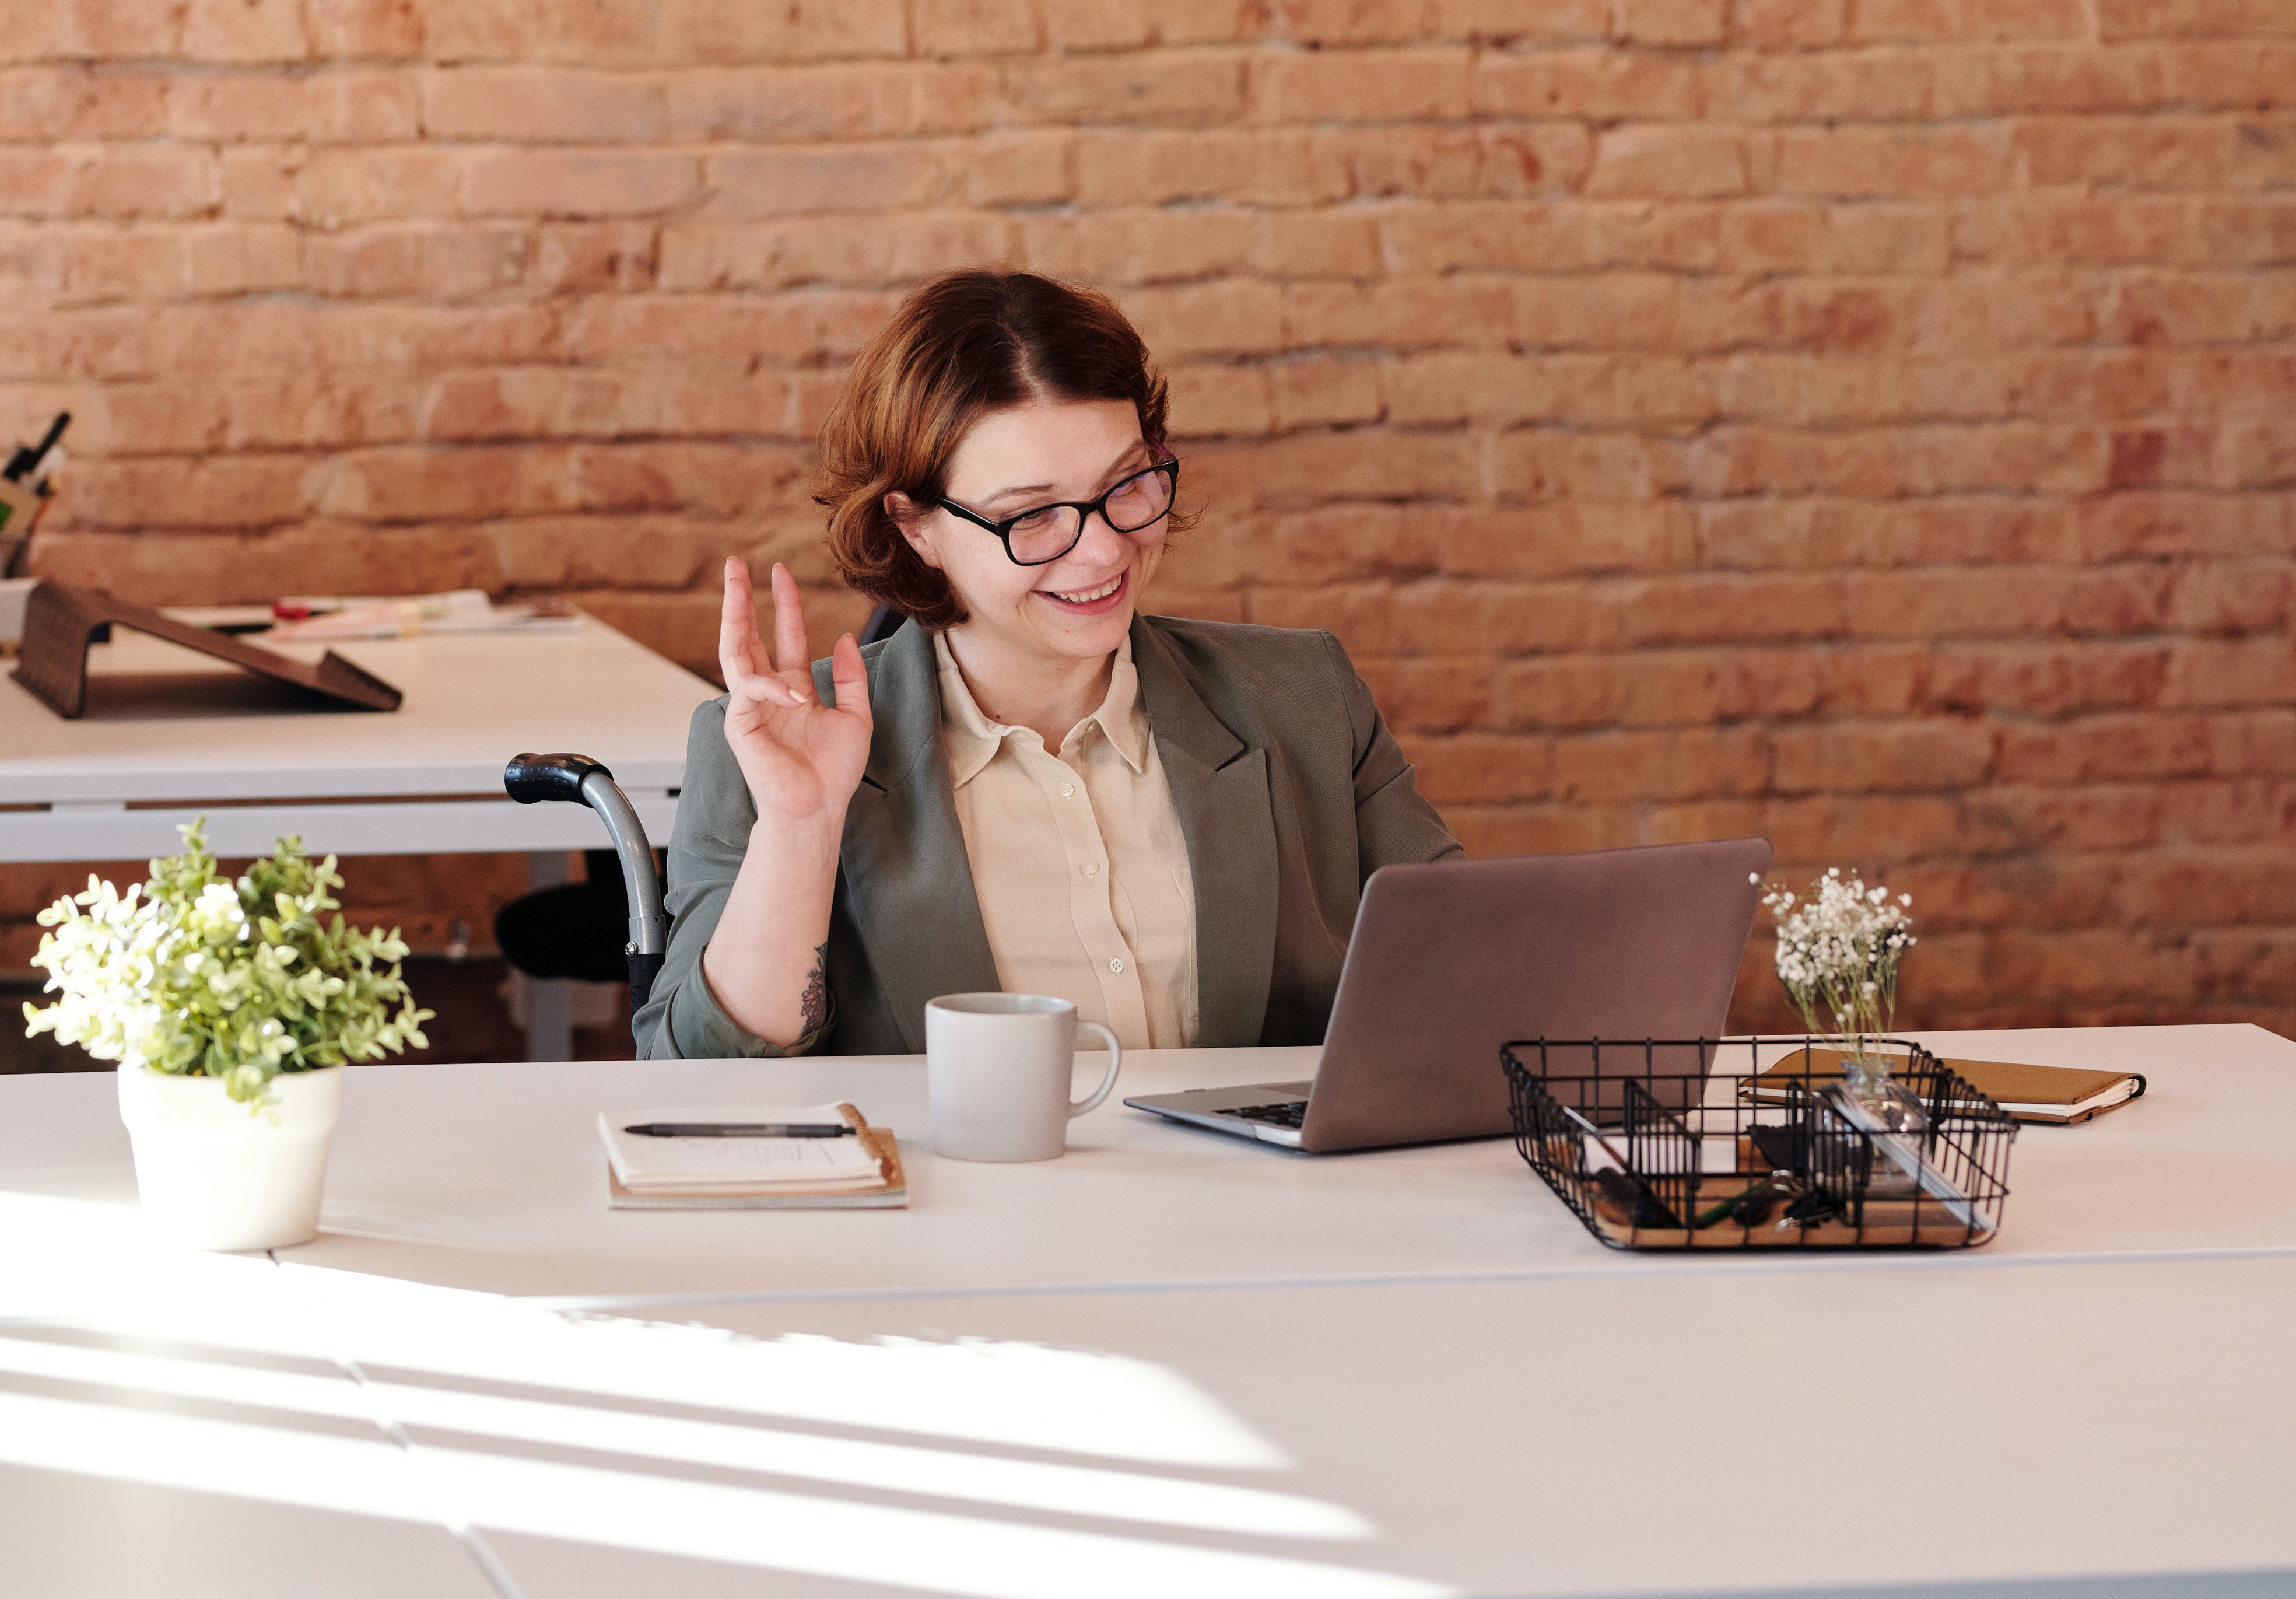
(1688, 1144)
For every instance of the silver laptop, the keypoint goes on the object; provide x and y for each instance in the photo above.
(1450, 960)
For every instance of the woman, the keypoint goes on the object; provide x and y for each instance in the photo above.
(1030, 786)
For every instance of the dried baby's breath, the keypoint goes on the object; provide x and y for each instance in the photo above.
(1838, 955)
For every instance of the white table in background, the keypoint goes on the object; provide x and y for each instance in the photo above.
(1175, 1362)
(170, 735)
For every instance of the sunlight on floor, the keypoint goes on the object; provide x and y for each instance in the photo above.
(960, 1467)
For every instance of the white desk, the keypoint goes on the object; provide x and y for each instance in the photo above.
(1176, 1363)
(170, 735)
(173, 733)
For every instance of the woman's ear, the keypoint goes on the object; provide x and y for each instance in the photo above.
(907, 517)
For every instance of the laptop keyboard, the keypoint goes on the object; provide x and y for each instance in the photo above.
(1290, 1113)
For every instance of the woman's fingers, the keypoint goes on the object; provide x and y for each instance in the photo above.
(764, 689)
(739, 647)
(791, 652)
(851, 678)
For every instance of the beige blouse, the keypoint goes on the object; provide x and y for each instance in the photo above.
(1077, 860)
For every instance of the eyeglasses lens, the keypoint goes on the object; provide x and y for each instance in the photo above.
(1048, 534)
(1044, 535)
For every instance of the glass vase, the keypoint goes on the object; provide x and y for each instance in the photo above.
(1886, 1106)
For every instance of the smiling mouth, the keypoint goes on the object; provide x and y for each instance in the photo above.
(1084, 596)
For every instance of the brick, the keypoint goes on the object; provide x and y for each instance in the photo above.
(1697, 608)
(1363, 85)
(2110, 747)
(543, 105)
(1398, 311)
(1019, 168)
(1505, 22)
(1887, 86)
(830, 101)
(1660, 161)
(2045, 679)
(236, 491)
(1937, 21)
(1097, 24)
(1440, 163)
(846, 251)
(944, 27)
(1141, 246)
(1646, 766)
(2232, 672)
(2154, 153)
(1482, 767)
(670, 33)
(126, 180)
(1803, 237)
(2208, 888)
(2245, 596)
(2192, 19)
(1604, 84)
(245, 30)
(1153, 168)
(1895, 163)
(1792, 24)
(2046, 78)
(1674, 23)
(65, 103)
(229, 260)
(1578, 536)
(2237, 811)
(811, 179)
(583, 184)
(1315, 467)
(1550, 464)
(1309, 244)
(364, 29)
(1189, 89)
(336, 188)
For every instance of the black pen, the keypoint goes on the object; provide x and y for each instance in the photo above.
(741, 1129)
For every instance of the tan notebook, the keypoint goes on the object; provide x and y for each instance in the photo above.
(869, 1178)
(2058, 1095)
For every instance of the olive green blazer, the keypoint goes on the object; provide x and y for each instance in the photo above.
(1289, 789)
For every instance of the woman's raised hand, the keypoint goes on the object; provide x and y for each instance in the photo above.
(802, 759)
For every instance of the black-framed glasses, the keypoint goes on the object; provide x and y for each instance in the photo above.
(1043, 534)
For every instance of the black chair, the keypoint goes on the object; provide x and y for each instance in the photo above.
(611, 925)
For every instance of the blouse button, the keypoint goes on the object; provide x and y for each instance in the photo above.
(1092, 869)
(1068, 790)
(1116, 966)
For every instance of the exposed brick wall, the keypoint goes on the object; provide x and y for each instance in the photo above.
(1866, 422)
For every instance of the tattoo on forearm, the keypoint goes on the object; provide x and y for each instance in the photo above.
(814, 1007)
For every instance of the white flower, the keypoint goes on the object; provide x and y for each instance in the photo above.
(1838, 952)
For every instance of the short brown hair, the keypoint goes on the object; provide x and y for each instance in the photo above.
(963, 345)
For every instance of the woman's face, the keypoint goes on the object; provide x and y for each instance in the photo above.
(1079, 607)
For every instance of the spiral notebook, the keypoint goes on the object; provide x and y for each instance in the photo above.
(858, 1172)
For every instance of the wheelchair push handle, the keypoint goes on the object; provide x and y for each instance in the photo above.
(532, 779)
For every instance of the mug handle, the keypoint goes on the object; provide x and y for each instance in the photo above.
(1077, 1107)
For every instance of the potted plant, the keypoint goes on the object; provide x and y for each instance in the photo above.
(232, 1008)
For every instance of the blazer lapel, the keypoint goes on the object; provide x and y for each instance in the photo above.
(907, 881)
(1221, 789)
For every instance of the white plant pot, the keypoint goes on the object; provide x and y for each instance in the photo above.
(213, 1174)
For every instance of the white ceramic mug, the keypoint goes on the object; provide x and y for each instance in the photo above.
(998, 1065)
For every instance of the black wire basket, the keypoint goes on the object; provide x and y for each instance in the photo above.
(1689, 1144)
